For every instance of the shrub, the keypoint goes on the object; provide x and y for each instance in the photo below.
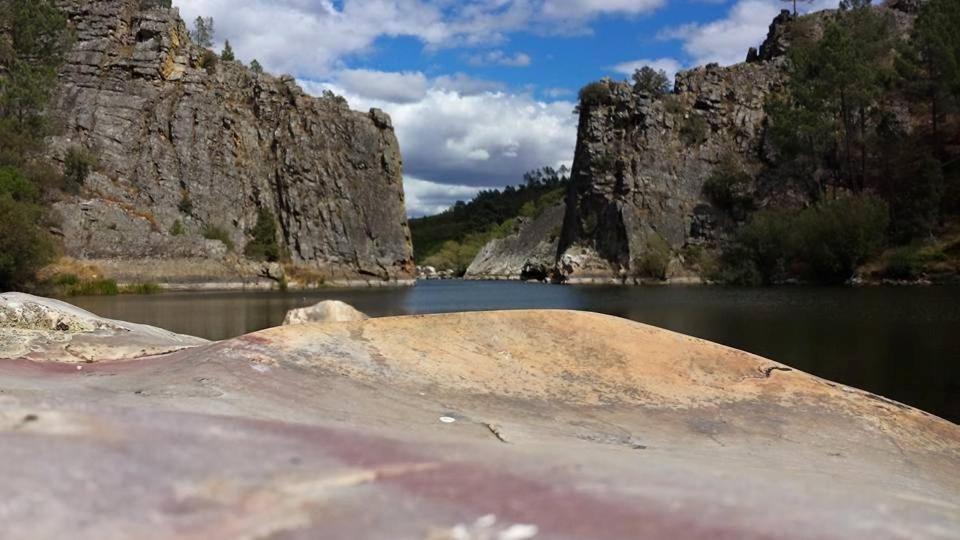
(25, 246)
(17, 187)
(651, 81)
(77, 164)
(177, 228)
(264, 246)
(764, 248)
(209, 61)
(255, 66)
(596, 93)
(213, 232)
(98, 287)
(839, 235)
(694, 130)
(142, 288)
(730, 188)
(655, 259)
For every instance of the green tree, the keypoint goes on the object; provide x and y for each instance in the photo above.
(651, 81)
(227, 53)
(203, 32)
(929, 64)
(255, 66)
(264, 246)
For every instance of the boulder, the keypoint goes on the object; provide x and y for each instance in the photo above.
(47, 330)
(326, 311)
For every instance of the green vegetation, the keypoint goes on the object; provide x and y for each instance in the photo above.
(227, 55)
(648, 80)
(824, 243)
(655, 259)
(255, 66)
(730, 188)
(264, 246)
(209, 61)
(457, 234)
(694, 129)
(177, 228)
(141, 288)
(72, 285)
(78, 163)
(214, 232)
(30, 54)
(596, 93)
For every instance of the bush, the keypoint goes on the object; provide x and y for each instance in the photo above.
(730, 189)
(177, 228)
(25, 246)
(209, 61)
(78, 164)
(264, 246)
(17, 187)
(596, 93)
(694, 130)
(648, 80)
(213, 232)
(655, 259)
(142, 288)
(839, 235)
(765, 248)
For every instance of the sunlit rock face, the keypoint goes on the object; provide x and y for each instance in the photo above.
(185, 148)
(326, 311)
(521, 424)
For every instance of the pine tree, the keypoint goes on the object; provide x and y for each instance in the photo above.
(256, 67)
(227, 54)
(203, 32)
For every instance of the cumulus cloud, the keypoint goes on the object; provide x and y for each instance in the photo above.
(405, 87)
(312, 38)
(726, 41)
(479, 139)
(425, 198)
(669, 65)
(500, 58)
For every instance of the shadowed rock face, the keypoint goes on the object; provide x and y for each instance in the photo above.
(529, 254)
(558, 424)
(208, 148)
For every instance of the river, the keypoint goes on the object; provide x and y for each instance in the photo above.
(901, 342)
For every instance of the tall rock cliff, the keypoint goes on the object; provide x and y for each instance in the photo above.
(641, 162)
(189, 151)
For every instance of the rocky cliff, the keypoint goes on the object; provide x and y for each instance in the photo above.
(189, 151)
(529, 254)
(642, 160)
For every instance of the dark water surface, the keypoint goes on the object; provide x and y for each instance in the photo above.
(903, 342)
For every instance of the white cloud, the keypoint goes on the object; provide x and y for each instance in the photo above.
(425, 198)
(500, 58)
(312, 38)
(726, 41)
(394, 87)
(669, 65)
(483, 139)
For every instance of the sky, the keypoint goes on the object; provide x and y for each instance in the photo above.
(480, 91)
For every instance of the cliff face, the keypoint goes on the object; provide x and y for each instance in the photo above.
(641, 162)
(528, 254)
(186, 150)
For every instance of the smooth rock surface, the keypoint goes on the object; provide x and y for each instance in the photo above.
(326, 311)
(47, 330)
(564, 425)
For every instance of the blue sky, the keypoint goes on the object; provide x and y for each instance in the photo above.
(480, 91)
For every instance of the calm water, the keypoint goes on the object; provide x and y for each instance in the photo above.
(903, 342)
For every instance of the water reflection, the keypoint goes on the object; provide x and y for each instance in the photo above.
(900, 342)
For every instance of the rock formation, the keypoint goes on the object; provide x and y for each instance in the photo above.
(326, 311)
(190, 149)
(641, 160)
(528, 424)
(529, 254)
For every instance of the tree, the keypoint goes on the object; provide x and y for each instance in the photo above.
(227, 54)
(651, 81)
(264, 246)
(255, 66)
(203, 32)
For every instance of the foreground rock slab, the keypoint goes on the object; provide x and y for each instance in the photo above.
(48, 330)
(529, 424)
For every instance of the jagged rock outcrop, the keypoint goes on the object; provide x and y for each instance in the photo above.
(642, 161)
(188, 152)
(529, 254)
(326, 311)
